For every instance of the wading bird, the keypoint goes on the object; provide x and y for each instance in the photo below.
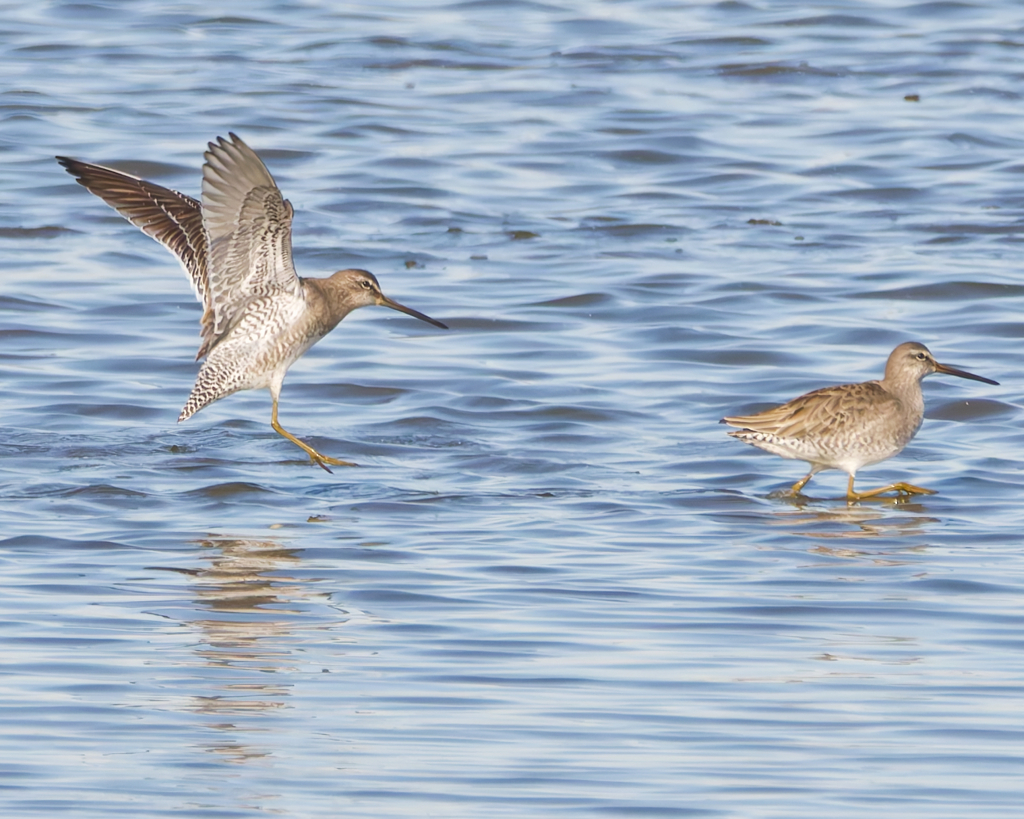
(259, 316)
(853, 425)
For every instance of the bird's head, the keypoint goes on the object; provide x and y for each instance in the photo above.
(359, 288)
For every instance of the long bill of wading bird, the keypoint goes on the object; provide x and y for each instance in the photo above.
(853, 425)
(259, 316)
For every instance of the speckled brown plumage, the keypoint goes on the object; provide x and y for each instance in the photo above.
(852, 425)
(259, 317)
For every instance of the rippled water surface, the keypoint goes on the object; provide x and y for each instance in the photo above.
(555, 586)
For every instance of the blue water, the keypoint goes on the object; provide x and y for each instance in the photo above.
(554, 586)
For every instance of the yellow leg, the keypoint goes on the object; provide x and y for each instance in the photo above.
(800, 484)
(900, 488)
(314, 456)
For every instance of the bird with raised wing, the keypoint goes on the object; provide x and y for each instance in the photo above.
(853, 425)
(259, 317)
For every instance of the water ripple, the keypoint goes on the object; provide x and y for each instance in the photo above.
(553, 586)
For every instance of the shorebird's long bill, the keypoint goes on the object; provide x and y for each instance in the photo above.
(945, 368)
(401, 308)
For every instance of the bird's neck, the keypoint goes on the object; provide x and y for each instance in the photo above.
(908, 391)
(325, 303)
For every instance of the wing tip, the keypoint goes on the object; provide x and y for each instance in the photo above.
(76, 168)
(67, 163)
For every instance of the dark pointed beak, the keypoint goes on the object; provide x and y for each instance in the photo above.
(945, 368)
(401, 308)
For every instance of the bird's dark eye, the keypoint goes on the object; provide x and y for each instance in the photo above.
(921, 357)
(367, 285)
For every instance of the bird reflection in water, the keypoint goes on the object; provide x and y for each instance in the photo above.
(254, 611)
(869, 519)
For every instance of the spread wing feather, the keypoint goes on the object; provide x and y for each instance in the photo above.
(249, 230)
(236, 245)
(173, 219)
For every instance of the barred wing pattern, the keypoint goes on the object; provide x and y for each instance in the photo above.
(173, 219)
(249, 230)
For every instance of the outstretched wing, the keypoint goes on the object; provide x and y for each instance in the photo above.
(249, 230)
(817, 414)
(173, 219)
